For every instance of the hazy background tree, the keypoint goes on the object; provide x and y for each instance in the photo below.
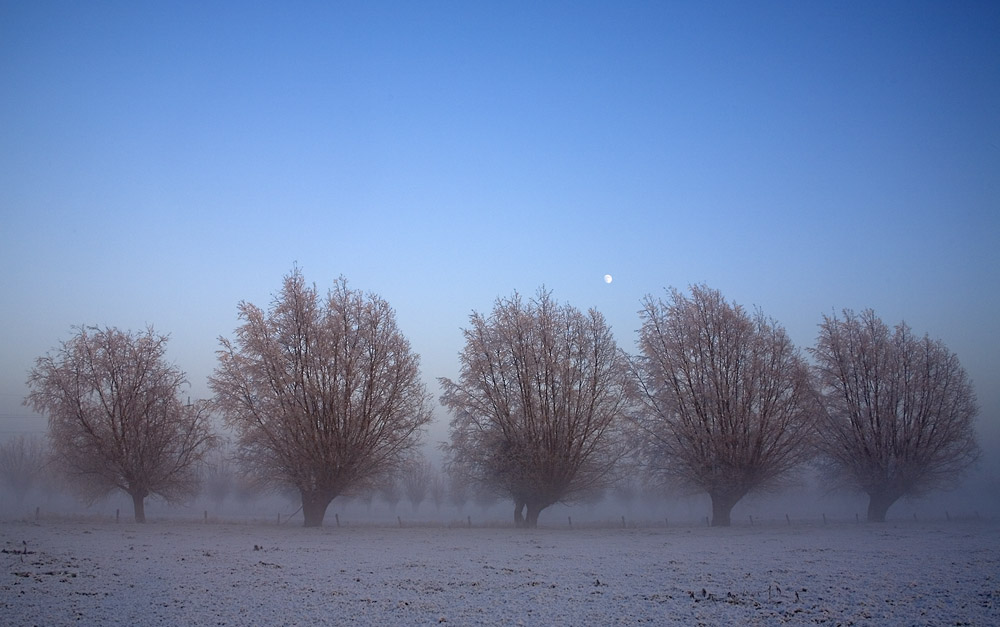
(365, 492)
(626, 491)
(728, 405)
(23, 462)
(416, 481)
(459, 488)
(485, 498)
(900, 410)
(323, 392)
(390, 490)
(219, 478)
(438, 489)
(117, 420)
(537, 407)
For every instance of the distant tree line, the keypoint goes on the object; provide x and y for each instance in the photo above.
(324, 396)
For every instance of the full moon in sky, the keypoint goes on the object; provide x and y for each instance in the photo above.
(607, 278)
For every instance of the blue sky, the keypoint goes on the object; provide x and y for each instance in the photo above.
(161, 162)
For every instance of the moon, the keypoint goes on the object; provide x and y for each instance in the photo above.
(607, 278)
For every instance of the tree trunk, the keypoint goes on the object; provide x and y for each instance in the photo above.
(722, 507)
(878, 506)
(314, 508)
(531, 520)
(518, 514)
(139, 503)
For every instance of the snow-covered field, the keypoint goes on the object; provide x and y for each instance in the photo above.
(186, 573)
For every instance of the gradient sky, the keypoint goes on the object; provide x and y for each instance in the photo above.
(161, 162)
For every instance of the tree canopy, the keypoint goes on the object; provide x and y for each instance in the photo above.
(538, 405)
(324, 392)
(728, 406)
(116, 416)
(899, 410)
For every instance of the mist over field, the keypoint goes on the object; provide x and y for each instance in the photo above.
(806, 503)
(795, 558)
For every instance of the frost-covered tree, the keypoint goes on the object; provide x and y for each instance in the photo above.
(538, 404)
(900, 410)
(728, 402)
(23, 461)
(323, 392)
(117, 420)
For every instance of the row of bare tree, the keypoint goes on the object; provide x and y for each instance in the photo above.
(323, 393)
(547, 408)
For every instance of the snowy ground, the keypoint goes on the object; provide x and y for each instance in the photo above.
(187, 573)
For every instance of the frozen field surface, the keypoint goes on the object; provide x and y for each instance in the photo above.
(180, 573)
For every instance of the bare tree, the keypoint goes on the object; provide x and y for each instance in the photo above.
(438, 489)
(390, 490)
(729, 407)
(459, 488)
(626, 491)
(323, 392)
(486, 498)
(538, 404)
(900, 410)
(23, 461)
(416, 480)
(219, 478)
(365, 493)
(116, 417)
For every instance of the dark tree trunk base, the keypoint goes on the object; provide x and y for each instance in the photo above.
(531, 519)
(139, 504)
(314, 509)
(518, 514)
(722, 508)
(878, 507)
